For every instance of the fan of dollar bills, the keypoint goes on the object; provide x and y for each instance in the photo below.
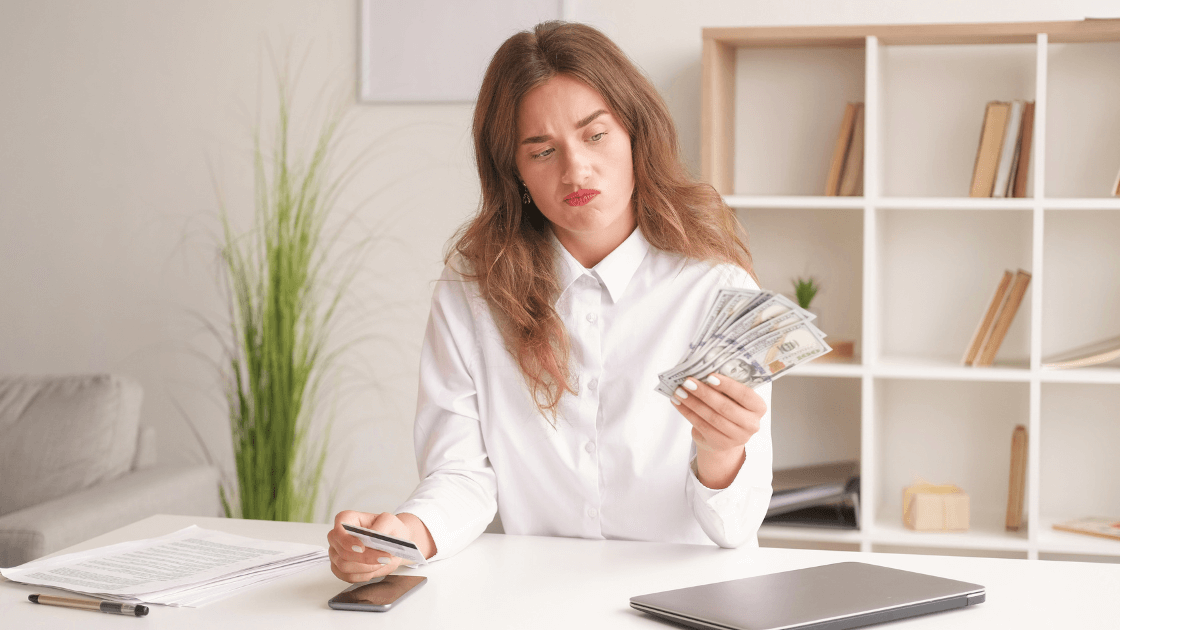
(749, 336)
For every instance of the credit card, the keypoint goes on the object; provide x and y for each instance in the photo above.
(403, 549)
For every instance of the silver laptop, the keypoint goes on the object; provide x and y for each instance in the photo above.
(829, 597)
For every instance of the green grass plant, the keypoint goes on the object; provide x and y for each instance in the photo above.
(806, 290)
(283, 300)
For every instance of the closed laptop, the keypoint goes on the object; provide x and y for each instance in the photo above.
(829, 597)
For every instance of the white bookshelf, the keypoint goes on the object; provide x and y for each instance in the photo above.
(907, 268)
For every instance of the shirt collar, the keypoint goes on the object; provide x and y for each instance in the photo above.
(615, 271)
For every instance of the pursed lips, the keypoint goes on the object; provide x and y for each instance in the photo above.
(580, 197)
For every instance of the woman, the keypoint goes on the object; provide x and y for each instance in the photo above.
(586, 272)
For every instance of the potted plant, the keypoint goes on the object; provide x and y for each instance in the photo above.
(284, 291)
(806, 290)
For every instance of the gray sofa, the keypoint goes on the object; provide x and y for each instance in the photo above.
(75, 462)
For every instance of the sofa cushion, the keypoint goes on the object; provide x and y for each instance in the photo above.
(62, 434)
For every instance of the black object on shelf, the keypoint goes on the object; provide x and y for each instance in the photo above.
(822, 495)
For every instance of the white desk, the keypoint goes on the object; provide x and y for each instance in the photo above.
(532, 582)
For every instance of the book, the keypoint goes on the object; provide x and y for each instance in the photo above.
(808, 486)
(1004, 319)
(1084, 356)
(1008, 150)
(1021, 177)
(991, 141)
(1092, 526)
(840, 148)
(1016, 479)
(852, 174)
(843, 514)
(985, 322)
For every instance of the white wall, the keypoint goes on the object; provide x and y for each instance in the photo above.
(111, 113)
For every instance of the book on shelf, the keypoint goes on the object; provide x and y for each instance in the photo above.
(989, 316)
(1092, 526)
(1004, 170)
(841, 514)
(991, 143)
(833, 485)
(840, 148)
(1004, 319)
(1024, 149)
(1005, 145)
(852, 173)
(1100, 352)
(1016, 479)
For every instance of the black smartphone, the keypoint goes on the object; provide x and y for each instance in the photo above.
(377, 595)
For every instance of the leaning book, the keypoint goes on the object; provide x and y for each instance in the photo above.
(1107, 353)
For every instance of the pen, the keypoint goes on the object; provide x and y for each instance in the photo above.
(138, 610)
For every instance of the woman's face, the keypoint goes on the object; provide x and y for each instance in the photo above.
(577, 161)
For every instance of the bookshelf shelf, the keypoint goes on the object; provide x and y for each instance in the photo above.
(946, 369)
(1100, 375)
(1110, 203)
(1052, 540)
(812, 534)
(847, 369)
(986, 533)
(907, 267)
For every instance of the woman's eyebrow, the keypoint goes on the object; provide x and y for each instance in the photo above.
(593, 116)
(583, 123)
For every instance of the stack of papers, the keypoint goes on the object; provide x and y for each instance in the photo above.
(190, 567)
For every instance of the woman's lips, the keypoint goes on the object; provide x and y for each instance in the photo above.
(581, 196)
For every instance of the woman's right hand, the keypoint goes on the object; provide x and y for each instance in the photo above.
(353, 562)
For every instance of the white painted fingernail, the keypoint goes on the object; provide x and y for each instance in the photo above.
(677, 403)
(680, 392)
(712, 380)
(384, 560)
(691, 384)
(356, 549)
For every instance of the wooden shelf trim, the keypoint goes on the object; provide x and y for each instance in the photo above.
(1075, 31)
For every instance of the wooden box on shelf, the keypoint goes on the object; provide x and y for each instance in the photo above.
(940, 508)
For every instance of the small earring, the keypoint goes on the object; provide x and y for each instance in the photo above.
(525, 194)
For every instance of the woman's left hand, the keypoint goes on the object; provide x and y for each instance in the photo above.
(724, 414)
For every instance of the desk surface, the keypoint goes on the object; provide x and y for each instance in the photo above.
(534, 582)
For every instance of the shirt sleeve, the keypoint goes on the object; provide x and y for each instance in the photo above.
(731, 516)
(456, 497)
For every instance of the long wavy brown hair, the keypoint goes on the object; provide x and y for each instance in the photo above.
(507, 247)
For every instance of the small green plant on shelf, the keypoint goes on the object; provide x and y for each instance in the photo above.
(806, 290)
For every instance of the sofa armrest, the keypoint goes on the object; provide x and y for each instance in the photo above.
(47, 527)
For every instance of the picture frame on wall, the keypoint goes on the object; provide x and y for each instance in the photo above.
(436, 51)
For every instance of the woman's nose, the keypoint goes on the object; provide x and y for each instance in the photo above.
(577, 168)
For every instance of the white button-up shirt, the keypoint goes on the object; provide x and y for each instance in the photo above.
(620, 463)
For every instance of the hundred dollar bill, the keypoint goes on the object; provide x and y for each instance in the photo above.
(740, 319)
(771, 356)
(761, 361)
(717, 313)
(773, 306)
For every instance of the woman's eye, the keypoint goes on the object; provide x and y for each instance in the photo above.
(542, 154)
(596, 138)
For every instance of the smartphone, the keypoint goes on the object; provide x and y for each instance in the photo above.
(377, 595)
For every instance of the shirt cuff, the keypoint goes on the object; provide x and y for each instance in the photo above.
(731, 516)
(448, 540)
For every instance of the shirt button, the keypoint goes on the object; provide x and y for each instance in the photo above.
(590, 447)
(591, 317)
(593, 384)
(592, 512)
